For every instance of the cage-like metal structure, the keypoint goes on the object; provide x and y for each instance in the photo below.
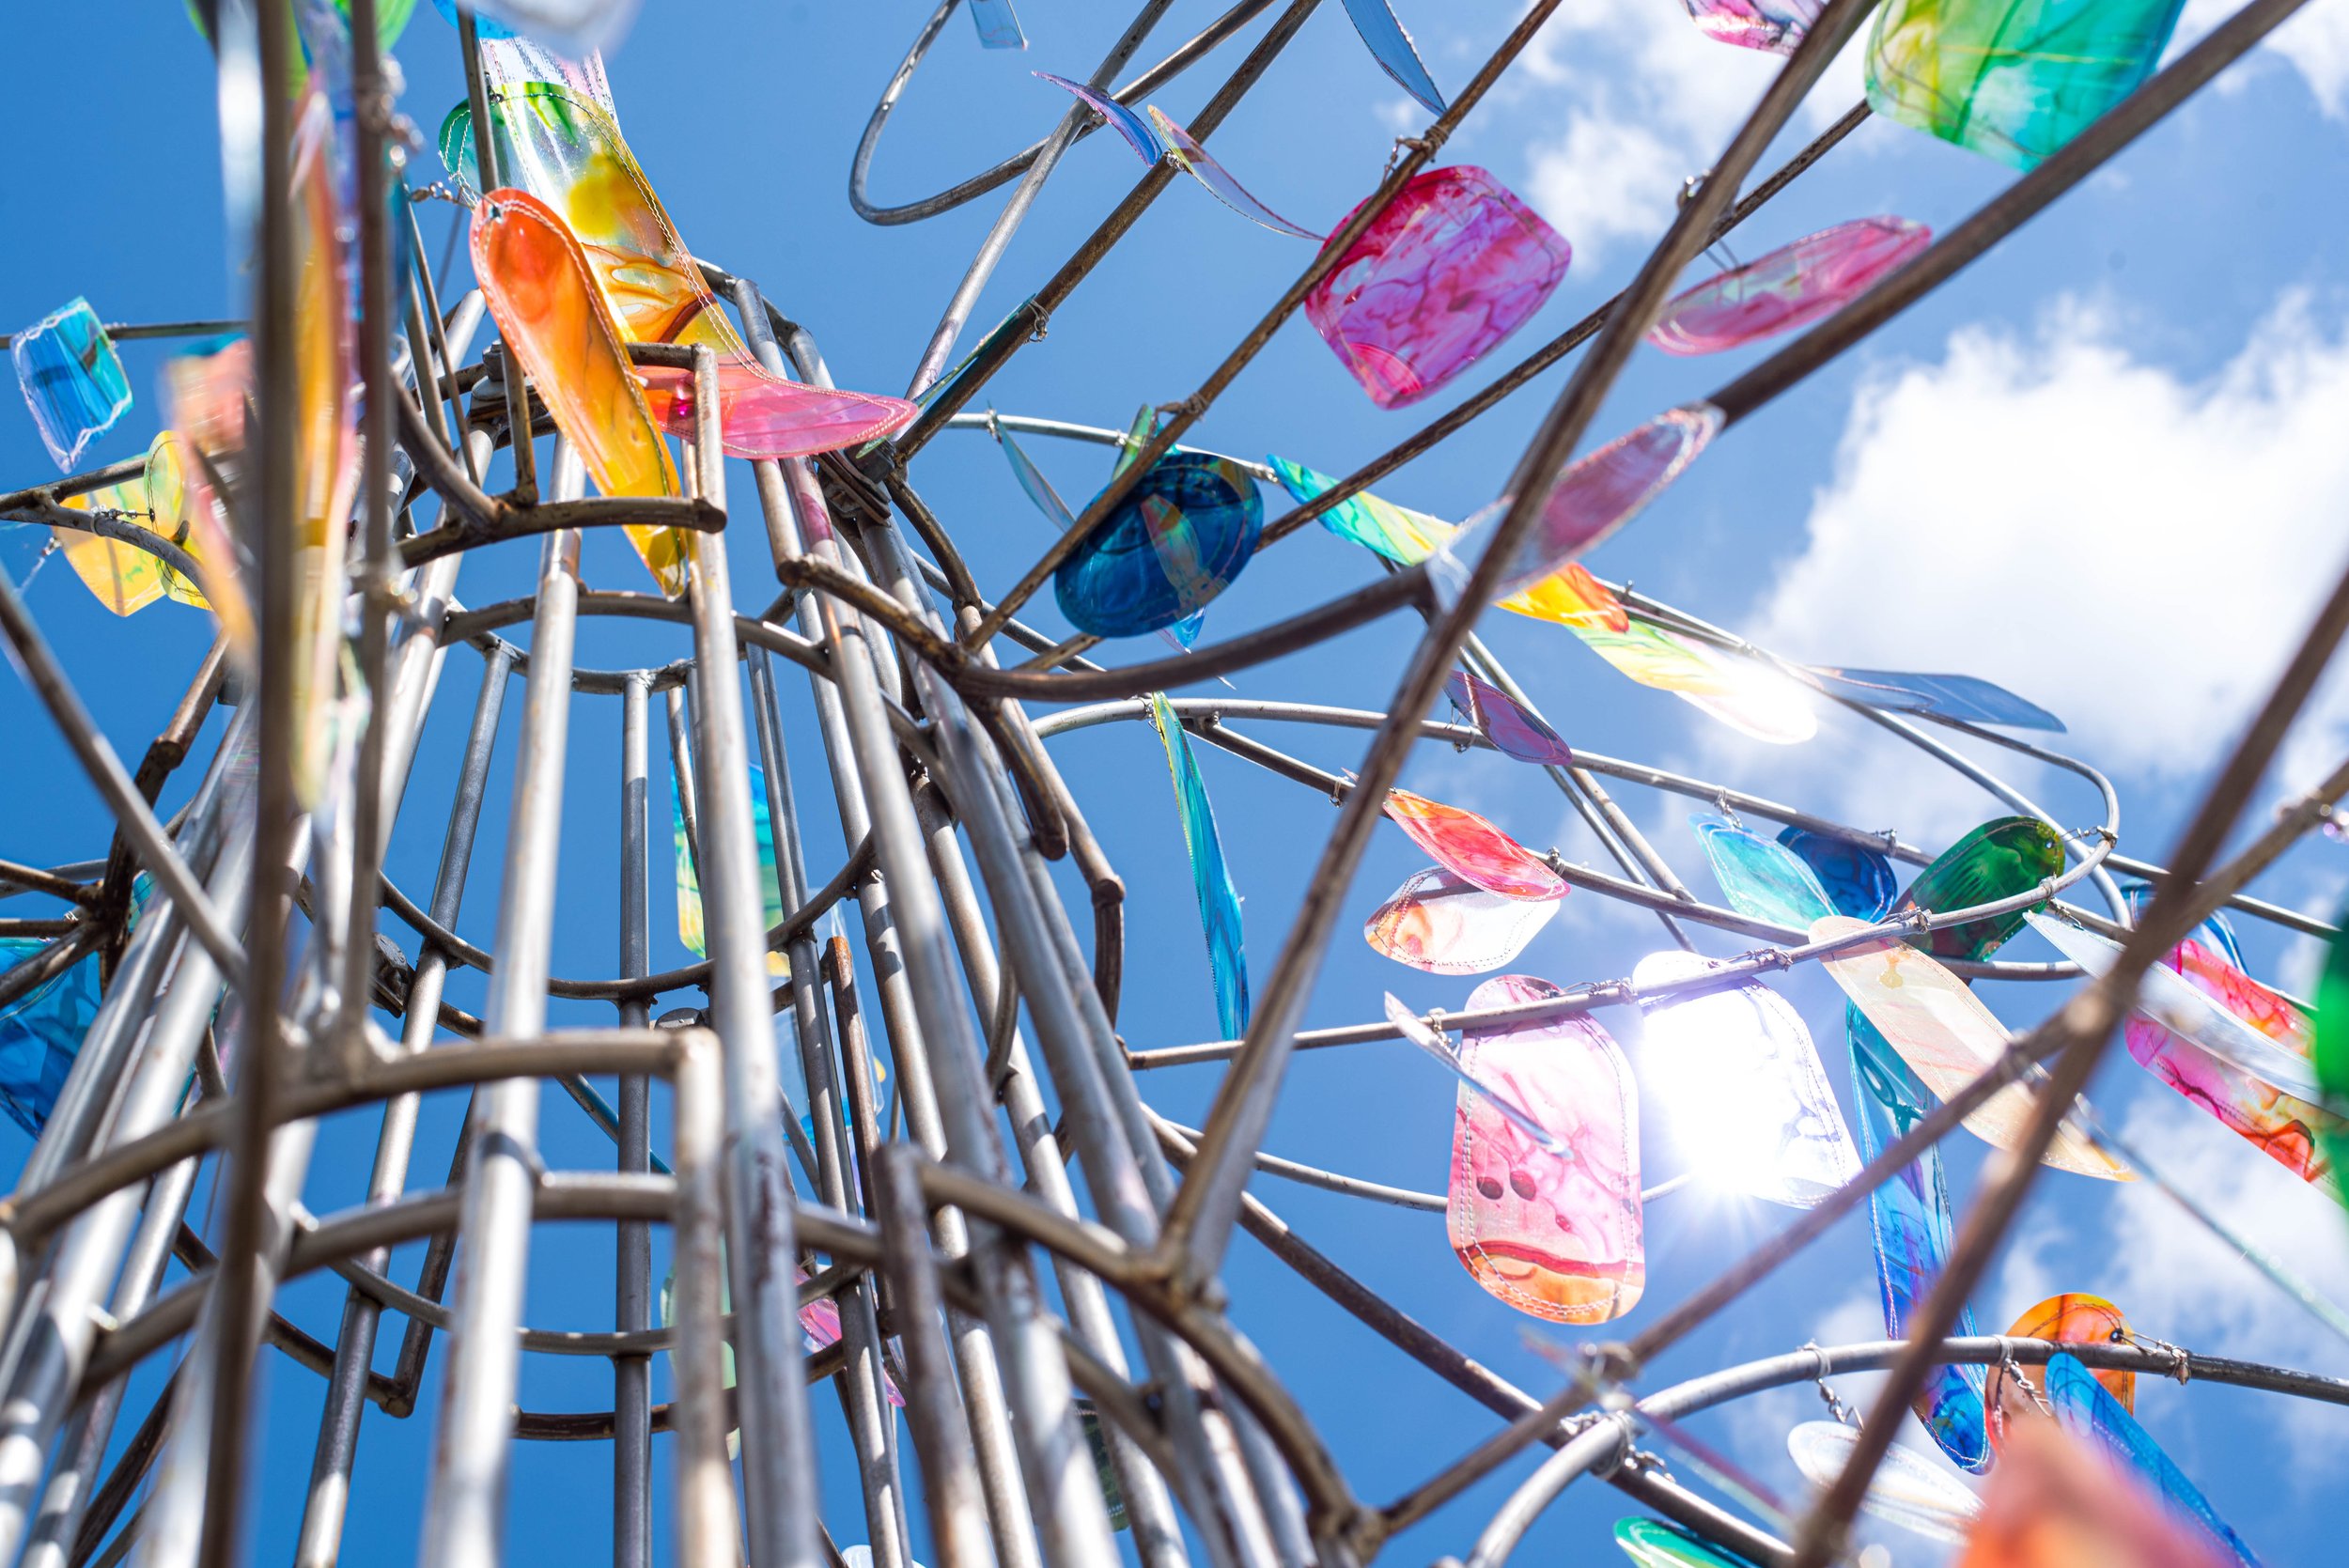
(932, 1241)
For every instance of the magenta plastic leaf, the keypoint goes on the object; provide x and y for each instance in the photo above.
(1438, 922)
(1774, 25)
(1200, 165)
(1453, 266)
(1792, 286)
(1392, 47)
(1127, 124)
(1414, 1029)
(1472, 848)
(997, 25)
(1518, 731)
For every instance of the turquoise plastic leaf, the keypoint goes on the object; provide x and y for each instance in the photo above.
(1218, 902)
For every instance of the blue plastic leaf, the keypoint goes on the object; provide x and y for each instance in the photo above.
(1857, 880)
(40, 1032)
(1761, 880)
(1183, 635)
(1911, 1218)
(1170, 547)
(1516, 730)
(1218, 903)
(2088, 1412)
(1137, 131)
(1391, 46)
(1961, 697)
(997, 25)
(71, 380)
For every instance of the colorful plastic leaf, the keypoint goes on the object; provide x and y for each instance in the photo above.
(1789, 288)
(1556, 1235)
(1944, 1033)
(2090, 1413)
(2013, 79)
(1961, 697)
(208, 396)
(171, 514)
(1755, 702)
(1509, 724)
(690, 929)
(1857, 880)
(71, 380)
(1440, 277)
(485, 28)
(2058, 1505)
(1773, 25)
(578, 26)
(2216, 934)
(1182, 634)
(40, 1032)
(2330, 1042)
(1570, 596)
(568, 152)
(1905, 1489)
(1211, 877)
(1472, 848)
(2074, 1318)
(1172, 546)
(1737, 1074)
(1438, 922)
(511, 62)
(1653, 1544)
(819, 1329)
(1909, 1220)
(2002, 859)
(122, 576)
(1200, 165)
(1137, 131)
(997, 25)
(1761, 880)
(1104, 1465)
(1411, 1026)
(1391, 46)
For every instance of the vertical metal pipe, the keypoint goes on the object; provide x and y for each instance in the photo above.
(631, 1376)
(950, 1472)
(705, 1532)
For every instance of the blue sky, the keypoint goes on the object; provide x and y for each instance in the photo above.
(2102, 467)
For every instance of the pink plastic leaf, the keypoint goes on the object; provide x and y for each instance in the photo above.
(1200, 165)
(1792, 286)
(1438, 922)
(1524, 1123)
(1472, 848)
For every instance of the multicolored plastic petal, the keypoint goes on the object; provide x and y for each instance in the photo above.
(1755, 702)
(1960, 697)
(1211, 877)
(2013, 79)
(1554, 1235)
(1200, 165)
(40, 1032)
(1570, 596)
(1137, 131)
(819, 1329)
(1172, 546)
(2057, 1504)
(1472, 848)
(71, 380)
(1773, 25)
(2216, 933)
(689, 888)
(2090, 1413)
(1438, 922)
(2074, 1318)
(568, 152)
(1789, 288)
(1653, 1544)
(1910, 1221)
(555, 320)
(1182, 634)
(1857, 880)
(1737, 1074)
(1509, 724)
(579, 26)
(2000, 859)
(1441, 277)
(122, 576)
(997, 25)
(1945, 1034)
(1761, 880)
(1391, 46)
(1907, 1489)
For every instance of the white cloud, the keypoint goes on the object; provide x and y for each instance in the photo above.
(2315, 42)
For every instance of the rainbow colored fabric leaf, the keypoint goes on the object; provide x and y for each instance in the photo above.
(1438, 922)
(1857, 880)
(2074, 1318)
(2216, 934)
(71, 380)
(689, 888)
(997, 25)
(1948, 1038)
(1554, 1235)
(1740, 1079)
(568, 154)
(2013, 79)
(2005, 857)
(2058, 1505)
(1961, 697)
(1910, 1218)
(1571, 597)
(1472, 848)
(1596, 495)
(1411, 1026)
(1132, 127)
(1391, 46)
(122, 576)
(557, 323)
(1172, 546)
(1772, 25)
(1653, 1544)
(2089, 1412)
(1200, 165)
(1211, 877)
(1755, 702)
(1789, 288)
(209, 394)
(1907, 1489)
(40, 1032)
(1441, 277)
(1761, 880)
(1509, 724)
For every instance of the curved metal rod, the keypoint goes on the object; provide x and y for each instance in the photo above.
(40, 509)
(1098, 435)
